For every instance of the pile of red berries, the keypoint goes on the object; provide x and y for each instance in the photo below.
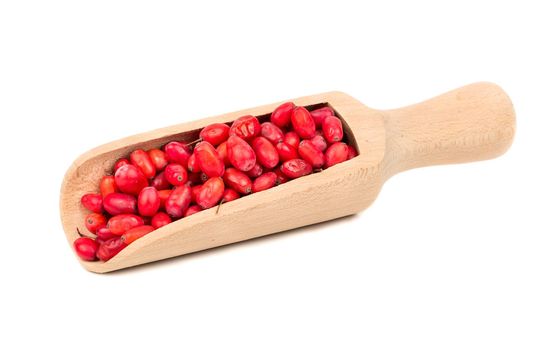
(155, 187)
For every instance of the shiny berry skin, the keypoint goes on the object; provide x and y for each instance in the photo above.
(240, 154)
(292, 139)
(272, 133)
(303, 123)
(320, 114)
(107, 185)
(238, 181)
(92, 202)
(160, 182)
(120, 203)
(148, 201)
(310, 153)
(264, 182)
(193, 166)
(280, 177)
(215, 134)
(319, 142)
(352, 152)
(94, 221)
(119, 163)
(230, 195)
(160, 219)
(266, 153)
(336, 153)
(158, 158)
(245, 127)
(86, 248)
(286, 151)
(119, 224)
(332, 129)
(281, 116)
(135, 233)
(104, 233)
(142, 160)
(176, 174)
(255, 171)
(178, 201)
(164, 194)
(110, 248)
(192, 209)
(295, 168)
(130, 179)
(195, 191)
(177, 152)
(222, 153)
(211, 192)
(208, 159)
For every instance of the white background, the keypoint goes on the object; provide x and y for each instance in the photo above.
(447, 257)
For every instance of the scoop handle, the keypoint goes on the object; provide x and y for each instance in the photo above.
(475, 122)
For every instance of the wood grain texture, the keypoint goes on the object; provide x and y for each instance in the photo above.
(472, 123)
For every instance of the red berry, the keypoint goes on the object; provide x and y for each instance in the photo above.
(245, 127)
(286, 151)
(303, 123)
(119, 203)
(177, 152)
(136, 233)
(319, 142)
(94, 221)
(295, 168)
(178, 201)
(129, 179)
(238, 181)
(215, 134)
(86, 248)
(193, 166)
(195, 192)
(208, 159)
(255, 171)
(160, 182)
(192, 209)
(110, 248)
(230, 195)
(320, 114)
(240, 154)
(104, 233)
(160, 219)
(211, 192)
(148, 201)
(141, 159)
(119, 163)
(264, 182)
(336, 153)
(222, 153)
(158, 158)
(164, 194)
(107, 185)
(266, 153)
(332, 129)
(92, 202)
(119, 224)
(271, 132)
(280, 176)
(292, 139)
(176, 174)
(282, 114)
(311, 154)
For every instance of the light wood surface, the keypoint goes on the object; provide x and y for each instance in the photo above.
(475, 122)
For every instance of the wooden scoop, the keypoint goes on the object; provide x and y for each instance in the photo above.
(475, 122)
